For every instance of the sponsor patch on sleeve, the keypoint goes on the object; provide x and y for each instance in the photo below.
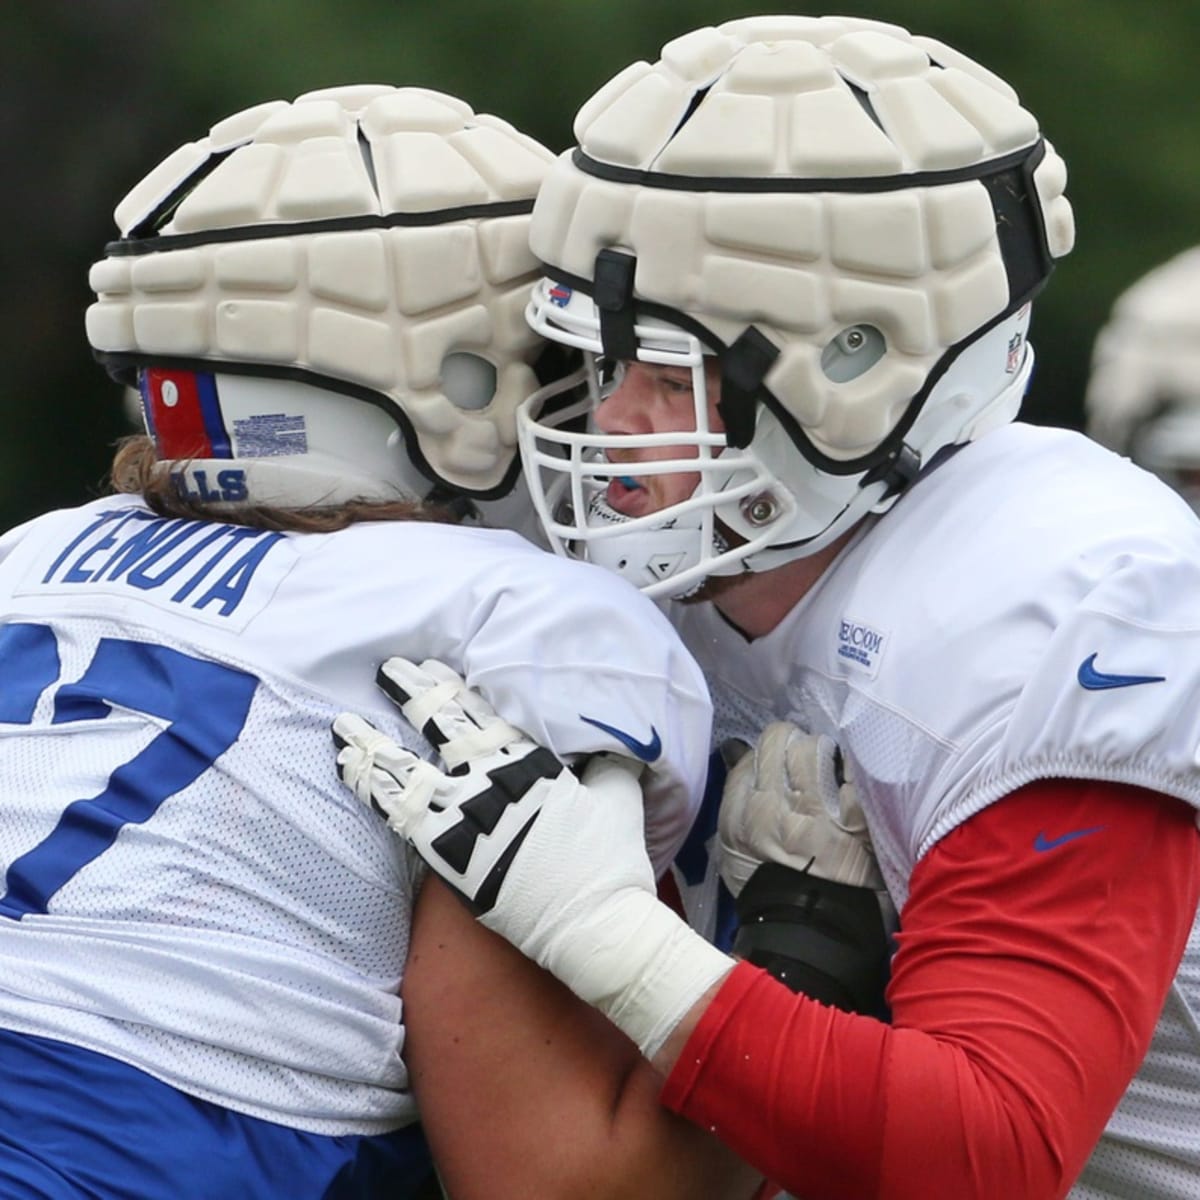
(859, 646)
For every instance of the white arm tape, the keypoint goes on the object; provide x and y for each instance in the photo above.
(651, 971)
(630, 955)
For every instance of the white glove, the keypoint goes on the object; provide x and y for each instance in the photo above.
(787, 802)
(555, 865)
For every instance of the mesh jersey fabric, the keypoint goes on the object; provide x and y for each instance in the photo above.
(188, 887)
(1024, 612)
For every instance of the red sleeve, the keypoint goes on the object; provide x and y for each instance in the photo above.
(1038, 943)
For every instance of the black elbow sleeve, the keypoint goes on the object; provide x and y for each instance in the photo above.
(822, 939)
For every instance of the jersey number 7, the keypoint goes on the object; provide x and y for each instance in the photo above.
(204, 705)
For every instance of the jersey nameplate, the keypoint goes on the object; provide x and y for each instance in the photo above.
(222, 574)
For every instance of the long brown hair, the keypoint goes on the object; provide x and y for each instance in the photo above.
(136, 469)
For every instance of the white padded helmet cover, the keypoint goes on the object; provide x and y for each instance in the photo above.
(1147, 359)
(359, 235)
(878, 231)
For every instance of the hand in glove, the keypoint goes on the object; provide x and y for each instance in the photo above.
(790, 800)
(554, 864)
(795, 853)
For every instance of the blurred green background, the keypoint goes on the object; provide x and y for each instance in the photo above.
(95, 92)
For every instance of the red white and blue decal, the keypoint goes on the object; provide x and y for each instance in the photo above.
(183, 413)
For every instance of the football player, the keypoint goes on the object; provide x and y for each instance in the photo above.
(202, 936)
(799, 255)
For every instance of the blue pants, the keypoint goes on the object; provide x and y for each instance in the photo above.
(78, 1124)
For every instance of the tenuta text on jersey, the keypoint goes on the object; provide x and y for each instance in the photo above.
(194, 564)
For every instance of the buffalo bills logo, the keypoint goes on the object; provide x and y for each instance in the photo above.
(560, 295)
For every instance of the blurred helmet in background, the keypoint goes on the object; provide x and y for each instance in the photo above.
(1143, 394)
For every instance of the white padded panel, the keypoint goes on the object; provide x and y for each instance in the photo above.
(796, 374)
(258, 330)
(146, 195)
(555, 207)
(965, 299)
(1050, 175)
(301, 121)
(434, 267)
(532, 145)
(1059, 217)
(178, 329)
(182, 271)
(110, 275)
(756, 292)
(735, 136)
(110, 327)
(632, 130)
(324, 179)
(881, 234)
(699, 55)
(509, 170)
(601, 216)
(606, 97)
(507, 311)
(431, 416)
(947, 56)
(929, 132)
(268, 266)
(242, 126)
(792, 225)
(472, 445)
(420, 172)
(1003, 124)
(904, 314)
(350, 269)
(868, 57)
(514, 384)
(238, 192)
(867, 408)
(959, 221)
(423, 346)
(504, 249)
(354, 97)
(831, 137)
(779, 69)
(819, 31)
(671, 222)
(352, 347)
(409, 110)
(1050, 180)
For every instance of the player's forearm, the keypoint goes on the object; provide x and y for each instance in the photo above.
(1025, 994)
(526, 1092)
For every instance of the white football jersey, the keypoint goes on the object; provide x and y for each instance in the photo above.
(188, 887)
(1029, 610)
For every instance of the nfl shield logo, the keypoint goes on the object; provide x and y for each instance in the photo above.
(1014, 354)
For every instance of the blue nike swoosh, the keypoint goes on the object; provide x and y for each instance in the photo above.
(1099, 681)
(646, 751)
(1042, 843)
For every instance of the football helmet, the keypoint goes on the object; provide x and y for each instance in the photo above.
(1143, 393)
(851, 220)
(323, 300)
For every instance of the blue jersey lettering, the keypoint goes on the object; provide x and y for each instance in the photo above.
(148, 552)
